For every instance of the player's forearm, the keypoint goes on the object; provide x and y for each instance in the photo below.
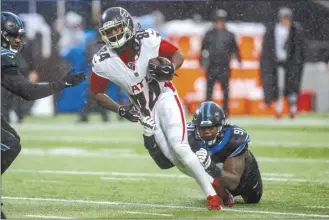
(106, 102)
(177, 59)
(229, 180)
(41, 90)
(20, 86)
(232, 171)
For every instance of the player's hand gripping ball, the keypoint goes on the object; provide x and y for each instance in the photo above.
(161, 69)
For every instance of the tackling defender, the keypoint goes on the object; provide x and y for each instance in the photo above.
(12, 32)
(221, 148)
(124, 60)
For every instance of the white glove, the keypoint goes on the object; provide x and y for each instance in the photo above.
(204, 158)
(148, 125)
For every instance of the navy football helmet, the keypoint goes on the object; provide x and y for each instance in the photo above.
(12, 32)
(209, 115)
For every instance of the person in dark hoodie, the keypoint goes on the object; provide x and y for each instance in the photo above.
(283, 46)
(217, 49)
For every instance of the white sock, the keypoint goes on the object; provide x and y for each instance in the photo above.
(279, 106)
(193, 167)
(292, 99)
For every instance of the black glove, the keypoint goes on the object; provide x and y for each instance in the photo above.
(163, 72)
(71, 80)
(129, 112)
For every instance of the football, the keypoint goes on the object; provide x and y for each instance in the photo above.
(159, 60)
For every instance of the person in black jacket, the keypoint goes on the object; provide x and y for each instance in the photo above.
(12, 32)
(283, 46)
(218, 46)
(10, 101)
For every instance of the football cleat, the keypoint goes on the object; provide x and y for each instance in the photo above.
(214, 203)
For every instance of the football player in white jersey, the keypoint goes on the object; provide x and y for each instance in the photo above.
(124, 60)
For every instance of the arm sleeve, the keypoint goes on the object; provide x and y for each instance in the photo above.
(98, 84)
(166, 48)
(204, 53)
(235, 48)
(14, 81)
(159, 158)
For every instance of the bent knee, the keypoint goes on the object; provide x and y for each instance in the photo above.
(254, 198)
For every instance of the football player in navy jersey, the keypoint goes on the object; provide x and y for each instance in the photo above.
(223, 150)
(12, 34)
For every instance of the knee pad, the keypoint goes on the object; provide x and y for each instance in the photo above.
(253, 198)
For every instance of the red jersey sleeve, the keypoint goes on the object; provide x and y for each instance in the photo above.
(166, 48)
(98, 84)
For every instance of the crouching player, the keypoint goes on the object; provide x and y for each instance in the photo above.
(222, 149)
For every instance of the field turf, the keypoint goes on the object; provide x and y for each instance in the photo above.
(98, 170)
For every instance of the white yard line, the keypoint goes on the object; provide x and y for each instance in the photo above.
(288, 144)
(318, 207)
(44, 181)
(279, 174)
(121, 179)
(291, 160)
(149, 213)
(77, 127)
(266, 122)
(155, 175)
(72, 151)
(253, 211)
(136, 140)
(128, 153)
(46, 216)
(294, 180)
(91, 173)
(79, 139)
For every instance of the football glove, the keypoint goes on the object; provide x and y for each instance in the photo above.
(229, 201)
(129, 112)
(163, 72)
(70, 80)
(149, 125)
(204, 158)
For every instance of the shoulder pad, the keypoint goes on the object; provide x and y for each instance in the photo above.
(98, 59)
(8, 58)
(149, 37)
(238, 141)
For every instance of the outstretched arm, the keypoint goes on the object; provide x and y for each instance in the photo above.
(15, 82)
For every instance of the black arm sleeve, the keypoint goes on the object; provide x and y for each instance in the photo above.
(204, 55)
(235, 48)
(14, 81)
(159, 158)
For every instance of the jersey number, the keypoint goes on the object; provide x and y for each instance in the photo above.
(238, 131)
(103, 56)
(141, 101)
(144, 34)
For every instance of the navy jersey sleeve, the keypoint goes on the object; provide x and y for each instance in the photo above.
(15, 82)
(238, 141)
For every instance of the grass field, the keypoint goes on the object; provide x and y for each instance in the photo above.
(98, 170)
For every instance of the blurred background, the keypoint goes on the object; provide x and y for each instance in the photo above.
(63, 33)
